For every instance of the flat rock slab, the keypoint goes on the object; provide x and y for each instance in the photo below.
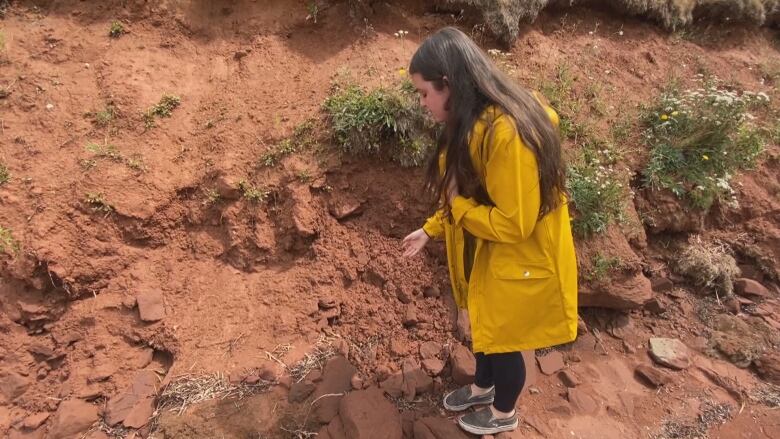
(670, 352)
(150, 306)
(73, 417)
(653, 376)
(464, 365)
(751, 288)
(120, 406)
(336, 380)
(437, 428)
(367, 414)
(551, 363)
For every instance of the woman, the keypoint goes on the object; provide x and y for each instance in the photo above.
(498, 177)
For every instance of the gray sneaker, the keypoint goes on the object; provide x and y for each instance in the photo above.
(482, 422)
(461, 399)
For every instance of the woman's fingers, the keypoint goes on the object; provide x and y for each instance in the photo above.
(413, 243)
(411, 250)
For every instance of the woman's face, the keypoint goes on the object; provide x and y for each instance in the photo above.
(435, 101)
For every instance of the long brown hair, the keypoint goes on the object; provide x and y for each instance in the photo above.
(451, 58)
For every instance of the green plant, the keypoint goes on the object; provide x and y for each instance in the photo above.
(407, 86)
(110, 152)
(161, 109)
(116, 30)
(384, 122)
(699, 139)
(620, 129)
(87, 164)
(302, 138)
(593, 95)
(313, 9)
(252, 193)
(135, 163)
(595, 188)
(212, 196)
(304, 176)
(107, 151)
(104, 117)
(560, 92)
(601, 266)
(98, 203)
(5, 175)
(7, 241)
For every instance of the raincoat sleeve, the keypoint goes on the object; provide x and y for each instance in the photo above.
(434, 226)
(512, 182)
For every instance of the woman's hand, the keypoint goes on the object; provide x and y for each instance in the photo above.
(414, 242)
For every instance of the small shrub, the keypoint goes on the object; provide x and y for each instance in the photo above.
(135, 163)
(98, 203)
(699, 139)
(620, 130)
(709, 264)
(313, 9)
(595, 189)
(593, 93)
(302, 138)
(252, 193)
(116, 30)
(110, 152)
(602, 266)
(5, 175)
(212, 196)
(107, 151)
(7, 242)
(104, 117)
(560, 92)
(304, 176)
(384, 122)
(161, 109)
(504, 17)
(87, 164)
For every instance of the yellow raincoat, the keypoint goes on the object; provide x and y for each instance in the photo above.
(522, 291)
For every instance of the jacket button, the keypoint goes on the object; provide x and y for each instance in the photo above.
(526, 274)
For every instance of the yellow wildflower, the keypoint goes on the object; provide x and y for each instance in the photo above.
(402, 72)
(675, 113)
(664, 117)
(704, 157)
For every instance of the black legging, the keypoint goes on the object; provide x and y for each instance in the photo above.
(506, 372)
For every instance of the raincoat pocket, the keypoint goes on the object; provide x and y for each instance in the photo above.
(519, 270)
